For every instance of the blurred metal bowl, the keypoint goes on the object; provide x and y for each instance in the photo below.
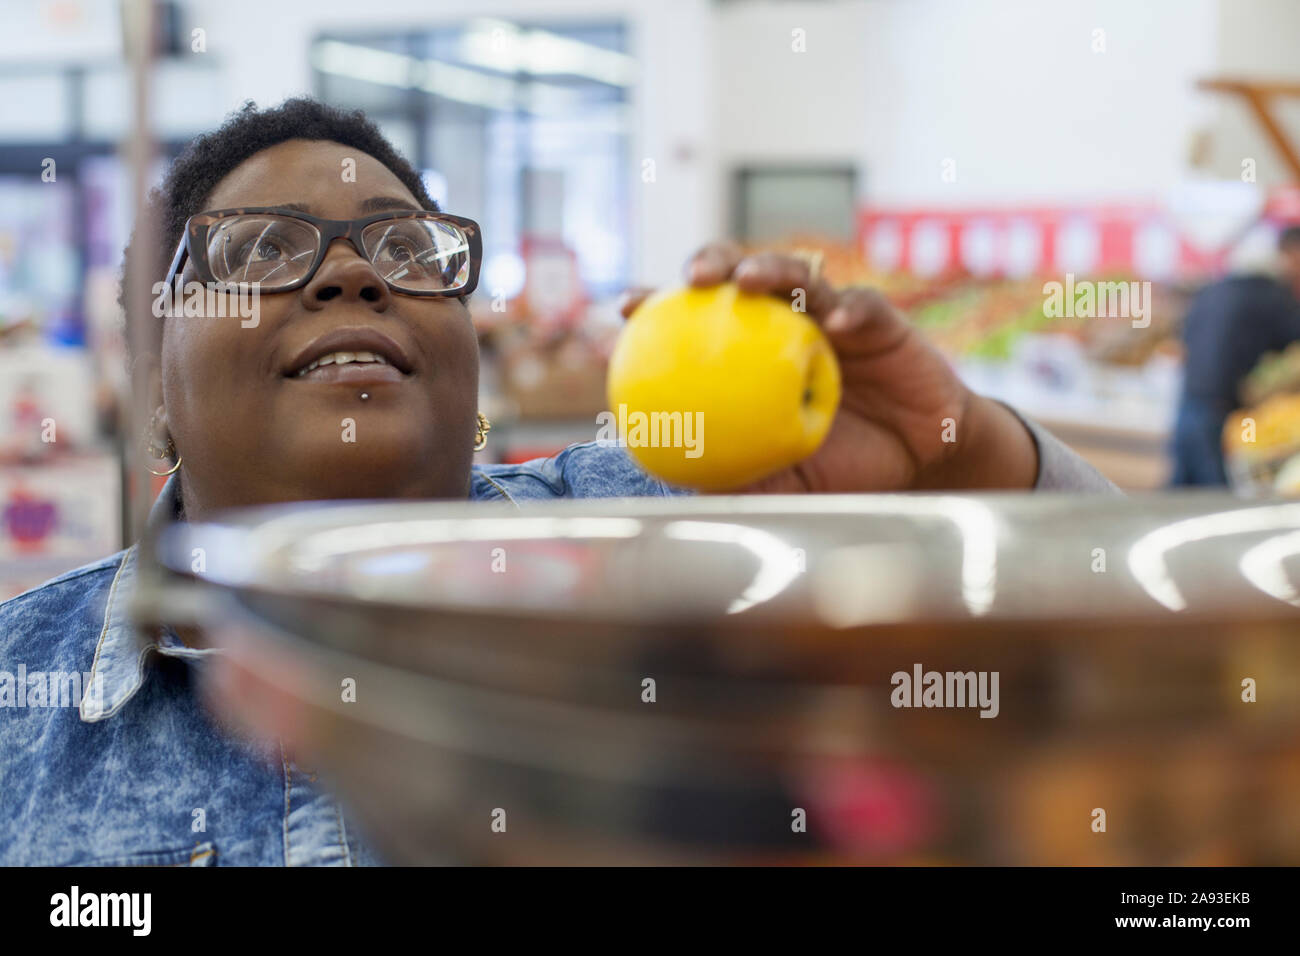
(504, 661)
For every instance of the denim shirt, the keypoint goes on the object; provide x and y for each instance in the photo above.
(108, 758)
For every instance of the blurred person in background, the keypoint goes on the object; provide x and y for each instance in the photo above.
(1231, 324)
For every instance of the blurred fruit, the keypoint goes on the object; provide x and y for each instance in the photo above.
(1276, 372)
(1271, 427)
(1287, 480)
(757, 381)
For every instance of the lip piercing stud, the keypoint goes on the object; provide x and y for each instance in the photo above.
(365, 396)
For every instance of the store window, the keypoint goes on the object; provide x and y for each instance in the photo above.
(774, 203)
(523, 127)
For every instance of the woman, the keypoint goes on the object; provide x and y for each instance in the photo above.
(105, 754)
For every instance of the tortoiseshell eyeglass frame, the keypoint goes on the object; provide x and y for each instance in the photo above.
(198, 226)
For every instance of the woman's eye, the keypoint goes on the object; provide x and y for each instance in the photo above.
(398, 252)
(266, 250)
(259, 250)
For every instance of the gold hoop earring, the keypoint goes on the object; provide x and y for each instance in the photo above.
(157, 452)
(170, 471)
(480, 437)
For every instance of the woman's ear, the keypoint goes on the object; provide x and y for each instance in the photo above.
(147, 375)
(158, 436)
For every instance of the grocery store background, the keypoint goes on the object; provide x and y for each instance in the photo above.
(957, 154)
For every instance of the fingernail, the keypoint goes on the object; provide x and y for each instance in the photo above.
(838, 320)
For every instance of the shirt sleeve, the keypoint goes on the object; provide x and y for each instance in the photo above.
(602, 469)
(1059, 468)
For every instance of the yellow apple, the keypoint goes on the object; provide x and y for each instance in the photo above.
(715, 388)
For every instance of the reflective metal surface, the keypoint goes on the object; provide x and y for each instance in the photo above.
(718, 678)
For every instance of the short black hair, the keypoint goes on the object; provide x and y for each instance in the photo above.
(1289, 238)
(211, 157)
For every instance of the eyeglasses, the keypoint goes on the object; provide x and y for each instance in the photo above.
(414, 252)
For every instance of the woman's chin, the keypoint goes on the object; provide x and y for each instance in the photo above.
(385, 463)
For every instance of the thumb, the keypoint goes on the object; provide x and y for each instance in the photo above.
(632, 299)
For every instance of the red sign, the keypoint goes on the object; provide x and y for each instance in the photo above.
(1142, 239)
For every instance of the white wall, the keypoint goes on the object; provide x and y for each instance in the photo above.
(1008, 89)
(674, 95)
(778, 104)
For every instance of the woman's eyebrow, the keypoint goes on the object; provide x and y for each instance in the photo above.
(373, 204)
(382, 203)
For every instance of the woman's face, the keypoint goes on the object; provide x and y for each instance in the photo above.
(252, 431)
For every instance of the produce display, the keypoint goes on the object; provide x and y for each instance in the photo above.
(1261, 443)
(984, 318)
(979, 320)
(1261, 446)
(987, 318)
(1276, 373)
(841, 264)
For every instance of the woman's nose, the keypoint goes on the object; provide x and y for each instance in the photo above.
(346, 274)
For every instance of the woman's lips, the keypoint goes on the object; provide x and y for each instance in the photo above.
(353, 373)
(347, 344)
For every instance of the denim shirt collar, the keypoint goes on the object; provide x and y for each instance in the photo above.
(117, 671)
